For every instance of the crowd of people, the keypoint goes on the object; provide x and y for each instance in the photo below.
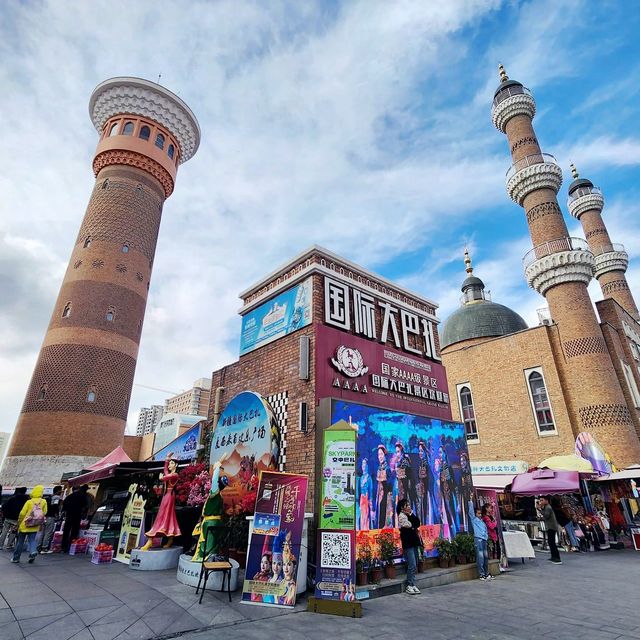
(32, 519)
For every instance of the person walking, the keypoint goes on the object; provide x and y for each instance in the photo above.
(546, 514)
(31, 518)
(408, 523)
(74, 507)
(45, 535)
(480, 537)
(11, 510)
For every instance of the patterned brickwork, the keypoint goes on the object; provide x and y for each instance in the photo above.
(527, 140)
(70, 371)
(136, 176)
(584, 346)
(598, 415)
(120, 212)
(90, 302)
(279, 402)
(541, 210)
(616, 285)
(595, 232)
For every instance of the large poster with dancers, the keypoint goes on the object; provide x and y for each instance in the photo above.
(398, 456)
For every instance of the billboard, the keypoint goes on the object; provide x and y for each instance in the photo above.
(248, 433)
(359, 370)
(184, 447)
(284, 314)
(274, 549)
(401, 455)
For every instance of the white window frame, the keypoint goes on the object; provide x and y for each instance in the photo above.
(631, 383)
(550, 432)
(459, 387)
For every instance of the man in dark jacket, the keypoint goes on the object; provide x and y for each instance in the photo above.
(74, 507)
(11, 510)
(551, 525)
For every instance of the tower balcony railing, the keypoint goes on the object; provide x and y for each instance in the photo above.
(529, 161)
(616, 246)
(514, 90)
(554, 246)
(583, 191)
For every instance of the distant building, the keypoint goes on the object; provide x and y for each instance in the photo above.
(171, 426)
(4, 443)
(193, 402)
(148, 419)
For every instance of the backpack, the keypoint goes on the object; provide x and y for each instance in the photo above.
(35, 517)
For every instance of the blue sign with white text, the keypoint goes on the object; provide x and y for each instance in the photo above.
(284, 314)
(184, 447)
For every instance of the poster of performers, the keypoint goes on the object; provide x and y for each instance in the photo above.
(274, 547)
(399, 455)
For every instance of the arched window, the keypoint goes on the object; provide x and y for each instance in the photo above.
(145, 132)
(91, 394)
(66, 312)
(42, 394)
(170, 151)
(111, 314)
(540, 400)
(105, 184)
(468, 413)
(128, 129)
(87, 242)
(125, 248)
(114, 129)
(160, 141)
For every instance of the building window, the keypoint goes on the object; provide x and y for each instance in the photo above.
(105, 184)
(160, 141)
(170, 151)
(66, 312)
(87, 242)
(91, 394)
(467, 412)
(111, 314)
(114, 129)
(42, 394)
(540, 401)
(631, 382)
(125, 248)
(145, 132)
(128, 129)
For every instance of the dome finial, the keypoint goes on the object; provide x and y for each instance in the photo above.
(503, 74)
(467, 261)
(574, 171)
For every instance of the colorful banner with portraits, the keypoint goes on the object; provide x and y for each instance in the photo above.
(274, 547)
(403, 456)
(337, 498)
(247, 432)
(335, 570)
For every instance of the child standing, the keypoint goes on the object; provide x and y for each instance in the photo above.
(409, 523)
(480, 537)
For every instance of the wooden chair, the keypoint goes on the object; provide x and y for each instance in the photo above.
(208, 567)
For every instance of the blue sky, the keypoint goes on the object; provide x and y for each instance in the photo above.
(363, 126)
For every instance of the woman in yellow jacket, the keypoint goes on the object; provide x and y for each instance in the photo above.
(31, 518)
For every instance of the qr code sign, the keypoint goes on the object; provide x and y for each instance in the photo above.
(335, 550)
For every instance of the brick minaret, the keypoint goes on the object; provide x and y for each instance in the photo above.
(585, 203)
(560, 268)
(76, 406)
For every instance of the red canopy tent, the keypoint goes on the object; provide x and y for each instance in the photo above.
(102, 469)
(545, 481)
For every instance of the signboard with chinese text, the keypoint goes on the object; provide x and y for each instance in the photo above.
(132, 521)
(184, 447)
(274, 549)
(360, 370)
(248, 434)
(284, 314)
(337, 498)
(335, 573)
(493, 467)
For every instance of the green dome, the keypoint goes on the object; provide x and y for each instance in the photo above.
(481, 320)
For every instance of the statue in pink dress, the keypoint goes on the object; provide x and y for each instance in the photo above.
(166, 523)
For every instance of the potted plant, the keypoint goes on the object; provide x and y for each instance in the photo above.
(376, 569)
(422, 560)
(460, 548)
(469, 547)
(443, 547)
(362, 565)
(387, 550)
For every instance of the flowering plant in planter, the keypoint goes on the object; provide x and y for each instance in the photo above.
(186, 480)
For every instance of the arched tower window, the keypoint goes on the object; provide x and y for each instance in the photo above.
(91, 394)
(87, 242)
(125, 248)
(42, 394)
(145, 132)
(114, 129)
(160, 141)
(171, 151)
(105, 184)
(128, 129)
(66, 312)
(110, 315)
(540, 402)
(467, 412)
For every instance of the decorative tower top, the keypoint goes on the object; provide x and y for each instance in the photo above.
(510, 99)
(472, 287)
(467, 261)
(583, 195)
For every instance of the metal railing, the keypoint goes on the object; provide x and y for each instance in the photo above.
(528, 161)
(615, 246)
(554, 246)
(583, 191)
(514, 90)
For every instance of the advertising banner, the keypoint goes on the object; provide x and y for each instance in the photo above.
(184, 447)
(284, 314)
(338, 495)
(247, 433)
(132, 521)
(400, 455)
(490, 497)
(335, 571)
(358, 370)
(587, 447)
(274, 547)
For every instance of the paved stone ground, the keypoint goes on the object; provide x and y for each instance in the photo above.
(60, 597)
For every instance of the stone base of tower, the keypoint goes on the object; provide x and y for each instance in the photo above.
(28, 471)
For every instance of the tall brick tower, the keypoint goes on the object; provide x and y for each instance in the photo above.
(76, 406)
(585, 203)
(560, 268)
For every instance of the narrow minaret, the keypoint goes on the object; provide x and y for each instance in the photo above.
(560, 268)
(75, 408)
(585, 203)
